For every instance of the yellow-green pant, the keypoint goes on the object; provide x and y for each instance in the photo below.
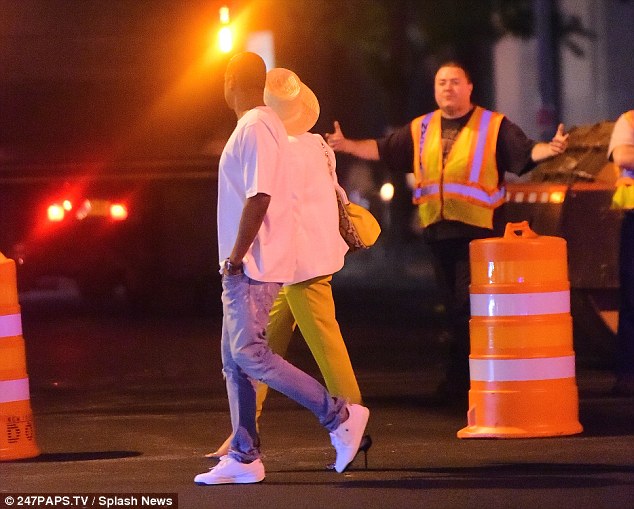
(310, 305)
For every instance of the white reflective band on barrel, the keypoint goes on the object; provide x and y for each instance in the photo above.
(10, 325)
(14, 390)
(521, 370)
(519, 304)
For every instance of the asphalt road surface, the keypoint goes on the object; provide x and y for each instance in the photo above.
(126, 404)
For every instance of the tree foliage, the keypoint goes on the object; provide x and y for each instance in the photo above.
(399, 43)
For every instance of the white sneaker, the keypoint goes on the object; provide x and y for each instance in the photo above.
(230, 471)
(347, 437)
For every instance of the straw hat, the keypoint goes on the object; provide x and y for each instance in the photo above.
(292, 100)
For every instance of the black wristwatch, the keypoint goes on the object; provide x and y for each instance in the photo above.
(232, 269)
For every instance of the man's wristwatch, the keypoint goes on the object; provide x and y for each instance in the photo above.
(232, 269)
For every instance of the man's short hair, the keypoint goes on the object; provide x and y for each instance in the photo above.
(458, 65)
(248, 70)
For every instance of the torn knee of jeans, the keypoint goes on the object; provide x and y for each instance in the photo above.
(251, 357)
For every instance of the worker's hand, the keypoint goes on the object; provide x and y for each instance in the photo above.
(336, 139)
(559, 143)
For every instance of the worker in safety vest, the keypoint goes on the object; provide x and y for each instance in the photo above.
(458, 155)
(621, 151)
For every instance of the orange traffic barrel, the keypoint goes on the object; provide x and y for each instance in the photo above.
(522, 363)
(17, 431)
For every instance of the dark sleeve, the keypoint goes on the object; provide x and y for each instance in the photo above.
(513, 150)
(396, 150)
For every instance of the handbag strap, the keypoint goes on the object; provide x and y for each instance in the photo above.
(338, 189)
(332, 170)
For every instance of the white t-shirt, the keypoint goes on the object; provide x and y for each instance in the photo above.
(254, 161)
(622, 134)
(320, 247)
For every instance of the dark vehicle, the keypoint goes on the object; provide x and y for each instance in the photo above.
(144, 231)
(112, 114)
(569, 196)
(75, 233)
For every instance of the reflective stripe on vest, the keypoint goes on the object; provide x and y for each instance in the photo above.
(423, 191)
(469, 178)
(519, 304)
(522, 370)
(10, 325)
(477, 194)
(478, 156)
(424, 124)
(464, 190)
(627, 173)
(626, 177)
(14, 390)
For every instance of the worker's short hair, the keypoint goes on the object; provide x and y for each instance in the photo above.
(458, 65)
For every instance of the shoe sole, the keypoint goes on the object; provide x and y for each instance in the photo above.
(231, 480)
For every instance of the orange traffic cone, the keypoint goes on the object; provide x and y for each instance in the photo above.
(522, 365)
(17, 432)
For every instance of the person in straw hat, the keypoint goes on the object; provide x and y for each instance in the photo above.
(256, 244)
(307, 300)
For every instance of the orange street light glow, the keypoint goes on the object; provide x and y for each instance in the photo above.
(225, 39)
(224, 15)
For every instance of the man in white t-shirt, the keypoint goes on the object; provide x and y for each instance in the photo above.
(307, 301)
(256, 239)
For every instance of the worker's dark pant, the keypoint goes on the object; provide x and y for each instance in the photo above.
(451, 257)
(625, 333)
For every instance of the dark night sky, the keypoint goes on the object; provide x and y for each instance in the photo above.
(86, 79)
(108, 79)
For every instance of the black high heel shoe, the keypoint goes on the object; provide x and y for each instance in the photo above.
(364, 447)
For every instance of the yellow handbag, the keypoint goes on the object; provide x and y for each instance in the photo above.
(358, 227)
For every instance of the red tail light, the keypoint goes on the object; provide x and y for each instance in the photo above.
(55, 212)
(118, 212)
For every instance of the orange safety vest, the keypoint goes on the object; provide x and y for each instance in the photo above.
(624, 195)
(466, 188)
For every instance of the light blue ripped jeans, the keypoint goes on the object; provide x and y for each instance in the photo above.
(246, 357)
